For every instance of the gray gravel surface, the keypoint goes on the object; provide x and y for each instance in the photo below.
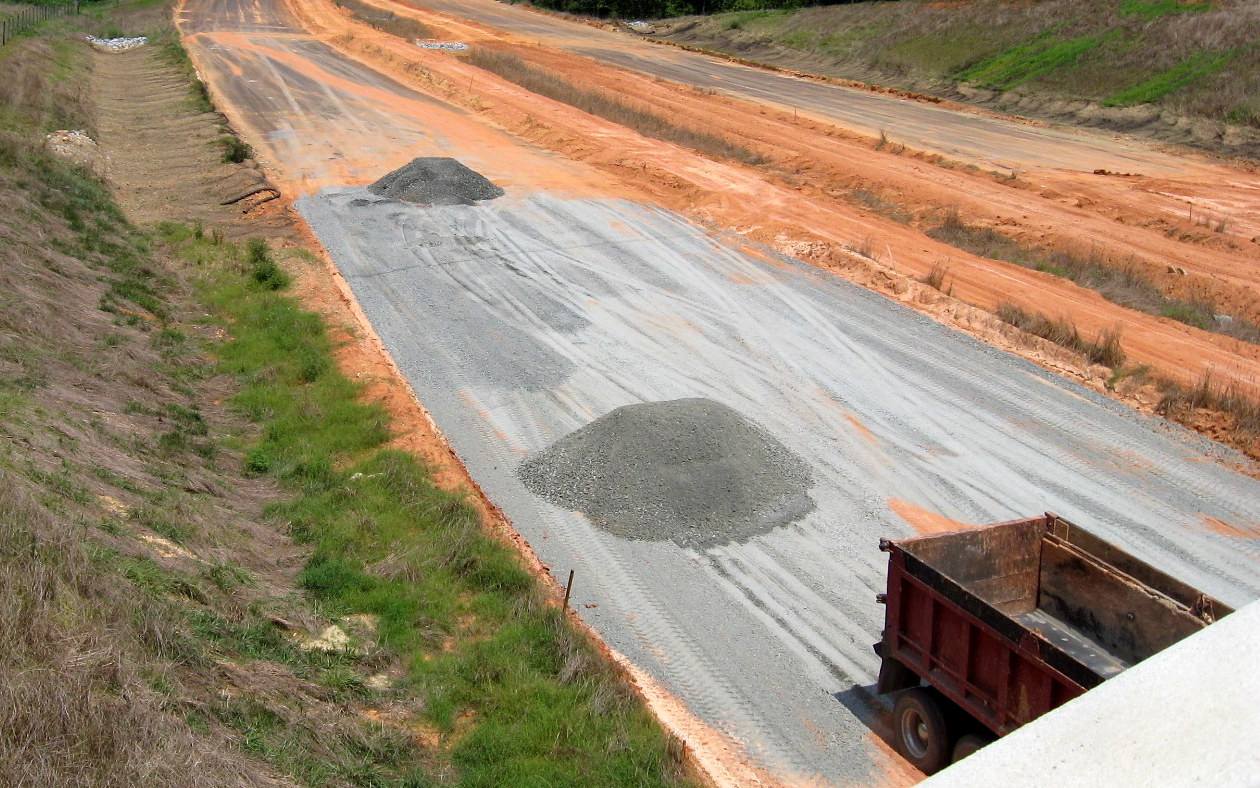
(522, 320)
(434, 180)
(689, 470)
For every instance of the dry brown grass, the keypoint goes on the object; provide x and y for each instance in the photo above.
(939, 279)
(645, 122)
(137, 570)
(1180, 403)
(387, 21)
(1121, 282)
(81, 704)
(1105, 349)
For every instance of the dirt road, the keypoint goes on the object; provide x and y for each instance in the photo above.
(804, 201)
(522, 319)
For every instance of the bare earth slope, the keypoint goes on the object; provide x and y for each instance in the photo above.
(144, 104)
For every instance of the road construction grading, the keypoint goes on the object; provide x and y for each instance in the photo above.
(524, 319)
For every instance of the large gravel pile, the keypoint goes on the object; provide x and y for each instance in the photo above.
(435, 181)
(690, 470)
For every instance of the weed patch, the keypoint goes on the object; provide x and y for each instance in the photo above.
(1194, 67)
(1180, 403)
(1023, 62)
(234, 150)
(1105, 349)
(939, 279)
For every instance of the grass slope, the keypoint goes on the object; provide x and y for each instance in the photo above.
(190, 491)
(1199, 59)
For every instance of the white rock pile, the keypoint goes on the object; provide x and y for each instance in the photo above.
(75, 146)
(446, 46)
(117, 44)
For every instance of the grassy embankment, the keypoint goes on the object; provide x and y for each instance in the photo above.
(189, 489)
(1199, 59)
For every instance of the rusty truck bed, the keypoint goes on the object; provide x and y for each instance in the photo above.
(1010, 620)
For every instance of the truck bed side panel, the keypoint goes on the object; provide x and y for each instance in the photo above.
(994, 672)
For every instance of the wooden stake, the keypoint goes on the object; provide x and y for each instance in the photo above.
(568, 589)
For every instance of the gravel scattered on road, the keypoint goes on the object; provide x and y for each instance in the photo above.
(693, 471)
(435, 180)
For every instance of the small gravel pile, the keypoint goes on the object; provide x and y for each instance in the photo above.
(74, 146)
(117, 44)
(443, 46)
(690, 470)
(435, 181)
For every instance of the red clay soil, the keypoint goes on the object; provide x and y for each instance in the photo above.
(811, 222)
(924, 521)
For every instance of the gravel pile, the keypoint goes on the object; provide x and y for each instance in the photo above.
(443, 46)
(117, 44)
(689, 470)
(435, 181)
(74, 146)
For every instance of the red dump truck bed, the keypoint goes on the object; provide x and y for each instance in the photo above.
(1008, 621)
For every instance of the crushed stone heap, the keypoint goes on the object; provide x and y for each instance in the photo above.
(435, 181)
(690, 470)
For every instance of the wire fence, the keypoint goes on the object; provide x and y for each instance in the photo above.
(12, 23)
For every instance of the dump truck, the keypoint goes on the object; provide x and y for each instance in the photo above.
(989, 628)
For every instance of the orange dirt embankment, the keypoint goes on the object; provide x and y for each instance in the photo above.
(1156, 224)
(800, 219)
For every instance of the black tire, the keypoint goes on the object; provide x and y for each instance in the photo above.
(921, 730)
(970, 743)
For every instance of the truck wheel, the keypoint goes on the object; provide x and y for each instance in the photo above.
(970, 743)
(921, 730)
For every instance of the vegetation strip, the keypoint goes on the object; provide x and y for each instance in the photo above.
(649, 124)
(1198, 65)
(517, 695)
(1023, 62)
(1120, 284)
(386, 21)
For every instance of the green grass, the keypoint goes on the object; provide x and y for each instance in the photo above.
(1151, 90)
(1018, 64)
(740, 19)
(489, 658)
(235, 151)
(1153, 9)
